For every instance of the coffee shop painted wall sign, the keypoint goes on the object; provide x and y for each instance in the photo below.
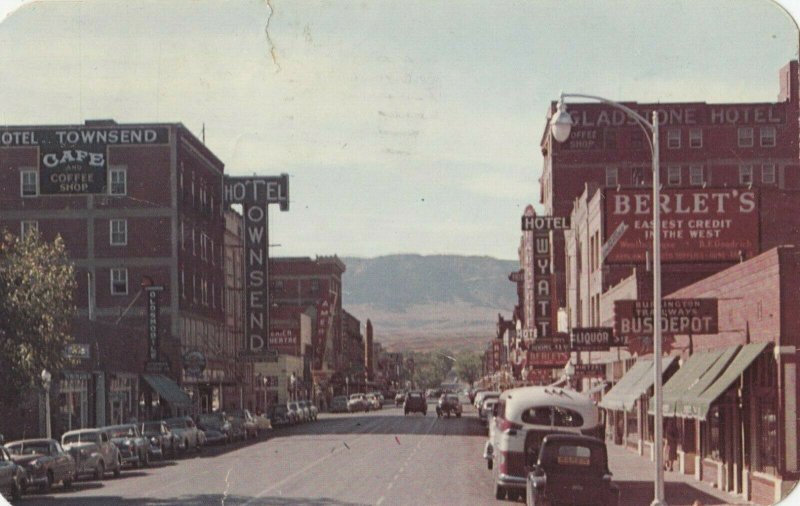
(74, 161)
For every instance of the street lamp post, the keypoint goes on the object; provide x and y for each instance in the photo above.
(264, 380)
(560, 126)
(46, 379)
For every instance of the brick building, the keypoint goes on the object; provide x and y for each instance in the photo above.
(137, 205)
(354, 363)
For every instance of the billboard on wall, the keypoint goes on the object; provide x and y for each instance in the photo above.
(74, 161)
(634, 318)
(285, 340)
(697, 225)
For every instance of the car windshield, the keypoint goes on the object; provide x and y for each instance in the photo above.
(355, 396)
(415, 395)
(176, 423)
(280, 410)
(151, 428)
(212, 420)
(118, 432)
(81, 437)
(39, 448)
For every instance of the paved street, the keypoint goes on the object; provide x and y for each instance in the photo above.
(377, 458)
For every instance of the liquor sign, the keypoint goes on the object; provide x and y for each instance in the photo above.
(74, 161)
(634, 318)
(320, 337)
(590, 370)
(285, 340)
(591, 338)
(255, 194)
(697, 225)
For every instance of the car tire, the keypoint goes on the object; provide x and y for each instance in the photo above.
(48, 482)
(16, 491)
(499, 492)
(489, 464)
(67, 482)
(146, 459)
(100, 471)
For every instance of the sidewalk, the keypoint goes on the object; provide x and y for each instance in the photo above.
(634, 476)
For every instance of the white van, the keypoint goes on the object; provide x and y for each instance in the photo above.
(528, 414)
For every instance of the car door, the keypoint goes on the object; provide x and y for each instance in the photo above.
(191, 430)
(6, 468)
(106, 450)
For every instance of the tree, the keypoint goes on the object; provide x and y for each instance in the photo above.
(430, 369)
(37, 281)
(468, 366)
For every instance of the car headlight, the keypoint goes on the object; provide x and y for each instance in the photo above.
(36, 464)
(154, 440)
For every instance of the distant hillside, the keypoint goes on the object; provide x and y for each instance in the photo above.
(419, 302)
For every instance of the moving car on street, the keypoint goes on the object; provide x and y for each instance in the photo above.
(93, 451)
(358, 402)
(45, 462)
(132, 445)
(12, 476)
(448, 403)
(415, 403)
(570, 469)
(374, 401)
(524, 417)
(161, 440)
(399, 399)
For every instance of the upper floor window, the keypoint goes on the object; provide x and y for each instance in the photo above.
(767, 134)
(119, 232)
(119, 281)
(745, 137)
(674, 176)
(768, 174)
(673, 138)
(28, 227)
(118, 181)
(203, 246)
(746, 174)
(638, 176)
(314, 285)
(695, 137)
(612, 176)
(28, 183)
(610, 138)
(696, 175)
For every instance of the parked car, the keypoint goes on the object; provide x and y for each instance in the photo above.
(186, 432)
(216, 427)
(312, 410)
(489, 395)
(279, 415)
(374, 401)
(524, 417)
(399, 399)
(12, 476)
(379, 396)
(480, 396)
(262, 423)
(45, 462)
(245, 418)
(93, 451)
(306, 413)
(132, 445)
(448, 404)
(357, 402)
(339, 404)
(415, 402)
(485, 413)
(162, 443)
(571, 469)
(295, 412)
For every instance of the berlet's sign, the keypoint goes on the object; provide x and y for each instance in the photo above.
(697, 225)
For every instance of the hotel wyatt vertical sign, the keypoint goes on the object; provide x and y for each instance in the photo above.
(255, 194)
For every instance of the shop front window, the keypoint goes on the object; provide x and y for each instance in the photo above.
(767, 433)
(122, 399)
(713, 440)
(73, 395)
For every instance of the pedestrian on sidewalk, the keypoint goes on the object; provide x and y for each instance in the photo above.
(671, 436)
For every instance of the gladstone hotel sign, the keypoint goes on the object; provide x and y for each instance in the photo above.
(74, 161)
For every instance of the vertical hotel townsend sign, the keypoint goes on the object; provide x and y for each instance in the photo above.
(74, 161)
(255, 194)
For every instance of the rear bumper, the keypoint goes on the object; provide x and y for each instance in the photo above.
(511, 481)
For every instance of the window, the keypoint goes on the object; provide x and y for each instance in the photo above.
(612, 176)
(203, 244)
(213, 261)
(183, 284)
(28, 227)
(194, 287)
(637, 176)
(194, 242)
(610, 139)
(537, 416)
(673, 138)
(746, 174)
(118, 181)
(768, 174)
(28, 183)
(119, 232)
(745, 137)
(183, 235)
(204, 292)
(563, 417)
(213, 296)
(767, 137)
(695, 137)
(119, 281)
(674, 176)
(696, 176)
(314, 285)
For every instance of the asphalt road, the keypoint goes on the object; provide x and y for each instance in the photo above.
(377, 458)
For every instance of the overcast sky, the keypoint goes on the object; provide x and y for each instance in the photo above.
(406, 126)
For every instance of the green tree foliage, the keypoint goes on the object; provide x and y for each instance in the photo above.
(36, 310)
(430, 369)
(468, 367)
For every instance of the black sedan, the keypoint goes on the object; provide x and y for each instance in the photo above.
(571, 469)
(45, 462)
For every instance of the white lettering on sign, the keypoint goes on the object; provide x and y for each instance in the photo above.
(690, 115)
(697, 202)
(51, 160)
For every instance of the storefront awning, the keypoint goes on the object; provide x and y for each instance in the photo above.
(614, 398)
(644, 383)
(747, 354)
(694, 367)
(168, 390)
(683, 407)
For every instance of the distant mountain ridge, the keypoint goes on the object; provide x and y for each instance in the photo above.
(426, 301)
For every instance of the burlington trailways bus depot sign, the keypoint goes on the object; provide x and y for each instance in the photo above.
(255, 194)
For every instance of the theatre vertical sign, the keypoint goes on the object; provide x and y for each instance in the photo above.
(255, 194)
